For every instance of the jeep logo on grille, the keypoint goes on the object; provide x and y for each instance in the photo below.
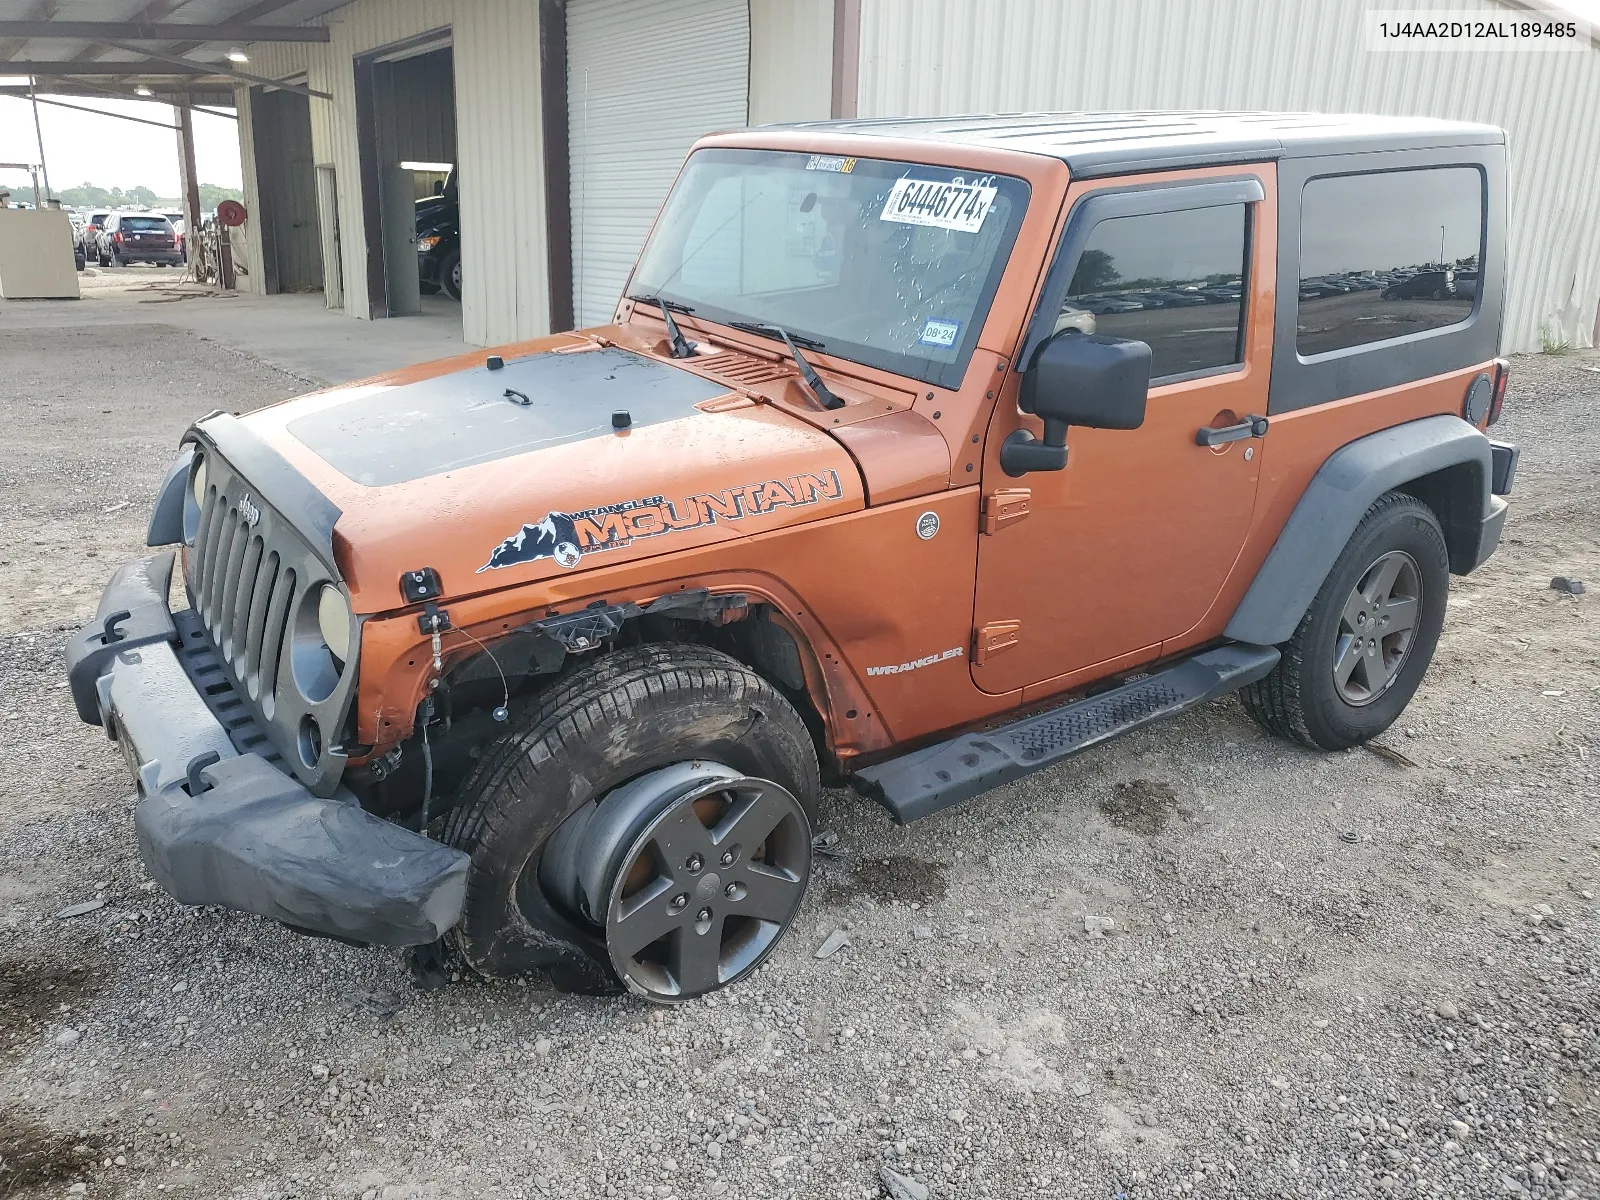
(247, 510)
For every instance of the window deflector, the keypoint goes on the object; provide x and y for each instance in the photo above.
(1137, 201)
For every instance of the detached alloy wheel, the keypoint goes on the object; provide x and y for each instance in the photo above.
(646, 823)
(706, 889)
(1362, 648)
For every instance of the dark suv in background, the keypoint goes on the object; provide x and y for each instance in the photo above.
(1424, 285)
(139, 237)
(439, 240)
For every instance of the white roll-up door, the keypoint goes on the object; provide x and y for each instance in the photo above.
(645, 78)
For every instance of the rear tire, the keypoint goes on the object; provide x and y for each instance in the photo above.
(615, 719)
(1353, 664)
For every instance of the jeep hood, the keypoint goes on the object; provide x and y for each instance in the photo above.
(563, 459)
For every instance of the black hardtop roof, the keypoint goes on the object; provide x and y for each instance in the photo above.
(1103, 143)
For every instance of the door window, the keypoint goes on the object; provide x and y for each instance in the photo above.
(1174, 280)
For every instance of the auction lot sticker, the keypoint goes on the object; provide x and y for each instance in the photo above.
(958, 206)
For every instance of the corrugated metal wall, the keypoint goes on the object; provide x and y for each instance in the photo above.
(502, 168)
(931, 57)
(505, 263)
(643, 83)
(500, 145)
(416, 103)
(791, 60)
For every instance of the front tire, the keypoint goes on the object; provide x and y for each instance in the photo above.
(535, 896)
(1361, 650)
(450, 274)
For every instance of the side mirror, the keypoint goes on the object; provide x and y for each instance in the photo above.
(1077, 379)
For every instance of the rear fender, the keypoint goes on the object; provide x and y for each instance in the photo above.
(1442, 460)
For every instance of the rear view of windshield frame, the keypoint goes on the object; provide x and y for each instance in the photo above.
(950, 374)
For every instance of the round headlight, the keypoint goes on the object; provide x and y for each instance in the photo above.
(333, 618)
(198, 482)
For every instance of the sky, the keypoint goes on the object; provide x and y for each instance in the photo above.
(84, 147)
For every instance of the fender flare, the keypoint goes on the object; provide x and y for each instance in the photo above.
(166, 519)
(1340, 493)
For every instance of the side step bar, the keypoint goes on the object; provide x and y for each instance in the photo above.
(938, 776)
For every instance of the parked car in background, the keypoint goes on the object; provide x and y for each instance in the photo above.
(139, 237)
(1466, 285)
(181, 228)
(438, 219)
(1073, 317)
(1424, 285)
(89, 232)
(1110, 304)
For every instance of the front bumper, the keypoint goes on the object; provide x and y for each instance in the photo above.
(217, 825)
(427, 268)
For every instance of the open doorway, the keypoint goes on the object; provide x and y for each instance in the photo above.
(291, 246)
(406, 110)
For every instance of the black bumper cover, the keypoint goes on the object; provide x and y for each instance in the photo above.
(216, 826)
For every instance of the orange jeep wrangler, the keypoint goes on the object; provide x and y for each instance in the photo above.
(919, 455)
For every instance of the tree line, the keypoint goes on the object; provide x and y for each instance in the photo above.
(87, 195)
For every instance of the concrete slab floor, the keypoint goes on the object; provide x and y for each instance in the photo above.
(294, 333)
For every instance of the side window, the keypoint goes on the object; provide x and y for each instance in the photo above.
(1387, 254)
(1174, 280)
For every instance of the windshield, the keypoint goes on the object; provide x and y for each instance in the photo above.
(890, 264)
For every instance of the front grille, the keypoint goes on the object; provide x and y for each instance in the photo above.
(243, 593)
(253, 582)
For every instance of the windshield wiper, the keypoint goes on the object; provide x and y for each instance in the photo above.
(682, 347)
(807, 372)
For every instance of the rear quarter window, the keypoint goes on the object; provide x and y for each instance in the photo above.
(1386, 255)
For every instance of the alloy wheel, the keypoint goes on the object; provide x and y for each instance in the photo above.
(707, 888)
(1376, 628)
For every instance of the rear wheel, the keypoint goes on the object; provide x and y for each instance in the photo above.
(649, 822)
(1362, 648)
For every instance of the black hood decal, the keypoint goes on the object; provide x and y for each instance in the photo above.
(466, 418)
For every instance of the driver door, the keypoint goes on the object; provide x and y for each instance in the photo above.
(1094, 568)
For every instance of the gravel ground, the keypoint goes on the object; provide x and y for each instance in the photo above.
(1197, 961)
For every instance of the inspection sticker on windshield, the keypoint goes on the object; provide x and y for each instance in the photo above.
(940, 333)
(830, 162)
(958, 206)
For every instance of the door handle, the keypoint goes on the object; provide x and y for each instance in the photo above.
(1209, 435)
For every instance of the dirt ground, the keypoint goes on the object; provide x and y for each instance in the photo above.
(1196, 961)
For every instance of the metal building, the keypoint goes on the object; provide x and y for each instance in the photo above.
(565, 120)
(936, 57)
(572, 117)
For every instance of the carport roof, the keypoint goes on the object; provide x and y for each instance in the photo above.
(176, 48)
